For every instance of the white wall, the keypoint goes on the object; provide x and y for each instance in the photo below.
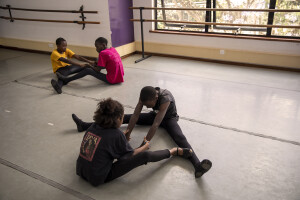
(48, 32)
(273, 47)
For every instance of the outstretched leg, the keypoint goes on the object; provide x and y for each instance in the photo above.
(124, 166)
(144, 119)
(81, 125)
(175, 132)
(83, 73)
(179, 138)
(65, 71)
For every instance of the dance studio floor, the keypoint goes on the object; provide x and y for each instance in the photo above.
(245, 120)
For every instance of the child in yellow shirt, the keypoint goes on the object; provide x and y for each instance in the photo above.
(60, 59)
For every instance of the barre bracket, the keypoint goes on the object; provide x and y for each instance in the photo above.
(82, 17)
(11, 18)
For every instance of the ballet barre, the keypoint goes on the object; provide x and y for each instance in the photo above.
(81, 11)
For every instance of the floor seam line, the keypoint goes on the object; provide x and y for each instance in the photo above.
(187, 119)
(11, 58)
(31, 75)
(215, 79)
(243, 131)
(45, 180)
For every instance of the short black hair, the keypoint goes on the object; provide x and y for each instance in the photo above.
(101, 40)
(108, 113)
(59, 40)
(148, 93)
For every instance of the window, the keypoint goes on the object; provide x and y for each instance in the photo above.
(287, 18)
(181, 15)
(243, 19)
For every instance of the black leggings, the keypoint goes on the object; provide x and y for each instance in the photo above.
(87, 71)
(125, 165)
(170, 125)
(67, 70)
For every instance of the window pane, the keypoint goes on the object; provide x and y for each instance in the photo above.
(236, 17)
(287, 18)
(230, 17)
(181, 15)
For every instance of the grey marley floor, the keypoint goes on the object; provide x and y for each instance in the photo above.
(245, 120)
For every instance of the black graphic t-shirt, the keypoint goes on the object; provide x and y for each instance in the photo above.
(163, 97)
(98, 150)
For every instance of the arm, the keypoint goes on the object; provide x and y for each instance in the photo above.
(84, 59)
(71, 62)
(96, 68)
(133, 119)
(158, 119)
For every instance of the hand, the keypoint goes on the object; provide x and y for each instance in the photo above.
(92, 63)
(82, 64)
(127, 135)
(88, 65)
(146, 144)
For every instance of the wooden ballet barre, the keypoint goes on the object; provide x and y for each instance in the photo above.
(81, 11)
(213, 23)
(218, 9)
(42, 10)
(46, 20)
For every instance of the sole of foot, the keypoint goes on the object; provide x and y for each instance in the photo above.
(56, 86)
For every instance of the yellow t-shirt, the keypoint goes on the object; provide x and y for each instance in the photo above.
(55, 55)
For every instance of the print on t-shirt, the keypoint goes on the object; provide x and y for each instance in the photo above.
(89, 145)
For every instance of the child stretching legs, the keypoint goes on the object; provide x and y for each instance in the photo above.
(103, 142)
(108, 59)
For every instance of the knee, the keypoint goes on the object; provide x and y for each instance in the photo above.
(181, 141)
(179, 138)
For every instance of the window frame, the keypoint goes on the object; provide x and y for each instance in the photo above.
(210, 16)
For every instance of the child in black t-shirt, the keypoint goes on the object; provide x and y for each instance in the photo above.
(103, 142)
(165, 115)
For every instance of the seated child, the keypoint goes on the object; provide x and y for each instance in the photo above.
(62, 64)
(108, 59)
(103, 142)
